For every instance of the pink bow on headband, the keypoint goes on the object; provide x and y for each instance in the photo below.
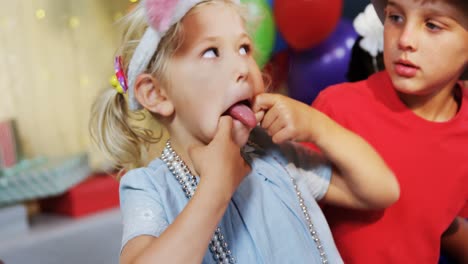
(160, 13)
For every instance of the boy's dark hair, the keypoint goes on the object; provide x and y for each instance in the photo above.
(460, 4)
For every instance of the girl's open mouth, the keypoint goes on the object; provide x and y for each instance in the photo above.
(241, 111)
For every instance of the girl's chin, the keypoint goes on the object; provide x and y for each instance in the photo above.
(240, 133)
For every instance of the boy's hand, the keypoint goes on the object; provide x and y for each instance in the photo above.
(220, 163)
(285, 118)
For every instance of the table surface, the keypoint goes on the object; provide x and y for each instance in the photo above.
(55, 239)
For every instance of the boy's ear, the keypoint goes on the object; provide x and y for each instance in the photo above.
(152, 95)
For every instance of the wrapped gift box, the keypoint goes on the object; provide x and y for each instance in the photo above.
(98, 192)
(42, 177)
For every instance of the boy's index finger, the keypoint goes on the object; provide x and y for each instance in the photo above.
(263, 101)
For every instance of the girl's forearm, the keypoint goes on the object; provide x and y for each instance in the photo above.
(186, 239)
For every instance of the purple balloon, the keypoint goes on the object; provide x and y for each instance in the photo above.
(327, 63)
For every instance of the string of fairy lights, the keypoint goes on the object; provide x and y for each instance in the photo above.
(71, 21)
(74, 21)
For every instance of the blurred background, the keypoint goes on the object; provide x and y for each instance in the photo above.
(58, 200)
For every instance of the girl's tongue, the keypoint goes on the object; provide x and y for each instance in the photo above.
(244, 114)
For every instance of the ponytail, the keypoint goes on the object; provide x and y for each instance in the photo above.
(111, 130)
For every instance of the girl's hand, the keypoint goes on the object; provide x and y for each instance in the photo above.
(285, 118)
(220, 163)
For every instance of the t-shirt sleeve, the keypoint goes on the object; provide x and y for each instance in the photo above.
(311, 170)
(464, 211)
(141, 207)
(322, 103)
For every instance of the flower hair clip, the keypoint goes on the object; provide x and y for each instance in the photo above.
(118, 80)
(368, 25)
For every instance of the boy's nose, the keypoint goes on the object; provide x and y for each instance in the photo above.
(408, 39)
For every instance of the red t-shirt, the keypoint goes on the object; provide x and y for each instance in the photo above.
(429, 159)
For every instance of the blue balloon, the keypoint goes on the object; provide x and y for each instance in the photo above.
(270, 2)
(327, 63)
(280, 43)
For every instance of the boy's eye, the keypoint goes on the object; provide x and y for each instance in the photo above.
(395, 18)
(211, 53)
(244, 49)
(432, 27)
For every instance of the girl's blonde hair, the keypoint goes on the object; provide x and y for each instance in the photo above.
(112, 125)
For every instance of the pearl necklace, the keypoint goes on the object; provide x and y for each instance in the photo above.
(218, 246)
(313, 232)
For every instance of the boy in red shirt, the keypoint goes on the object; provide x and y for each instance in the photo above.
(415, 114)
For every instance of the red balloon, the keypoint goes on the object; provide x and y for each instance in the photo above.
(305, 23)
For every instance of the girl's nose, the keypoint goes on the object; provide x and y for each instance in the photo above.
(242, 69)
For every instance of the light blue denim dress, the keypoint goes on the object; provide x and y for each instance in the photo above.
(263, 222)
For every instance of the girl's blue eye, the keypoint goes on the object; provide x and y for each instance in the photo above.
(211, 53)
(244, 49)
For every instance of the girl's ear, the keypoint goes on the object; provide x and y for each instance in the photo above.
(152, 95)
